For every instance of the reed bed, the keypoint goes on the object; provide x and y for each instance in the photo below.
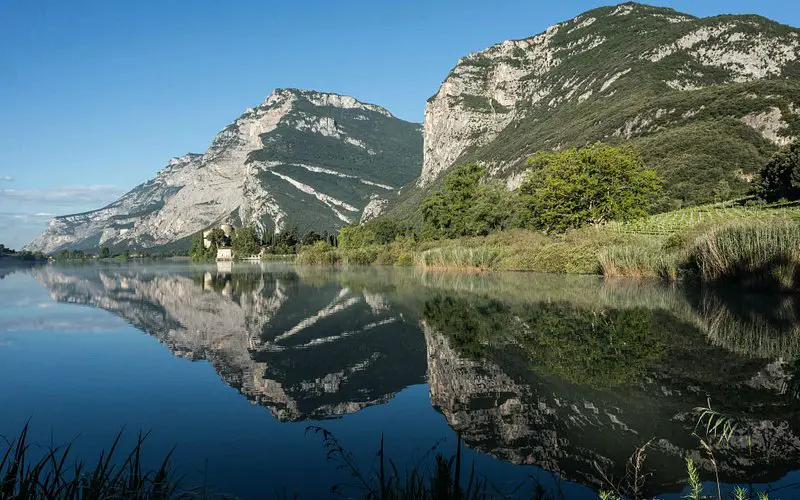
(647, 261)
(481, 258)
(751, 253)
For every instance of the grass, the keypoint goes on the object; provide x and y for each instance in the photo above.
(54, 475)
(753, 253)
(688, 219)
(446, 480)
(753, 246)
(480, 258)
(642, 261)
(384, 481)
(278, 257)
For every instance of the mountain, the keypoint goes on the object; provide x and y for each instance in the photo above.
(304, 158)
(707, 101)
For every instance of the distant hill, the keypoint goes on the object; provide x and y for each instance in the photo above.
(302, 158)
(707, 101)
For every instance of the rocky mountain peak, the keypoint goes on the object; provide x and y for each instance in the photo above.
(302, 157)
(321, 99)
(620, 73)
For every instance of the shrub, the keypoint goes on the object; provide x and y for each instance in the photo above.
(381, 231)
(361, 256)
(405, 258)
(318, 253)
(780, 177)
(385, 257)
(591, 185)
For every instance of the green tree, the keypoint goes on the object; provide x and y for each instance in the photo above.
(198, 251)
(591, 185)
(444, 213)
(780, 177)
(491, 210)
(356, 236)
(105, 253)
(310, 237)
(722, 190)
(245, 242)
(218, 238)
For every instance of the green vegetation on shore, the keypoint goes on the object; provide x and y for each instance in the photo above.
(10, 253)
(586, 212)
(715, 243)
(106, 255)
(246, 242)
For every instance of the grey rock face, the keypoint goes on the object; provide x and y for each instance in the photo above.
(301, 158)
(613, 64)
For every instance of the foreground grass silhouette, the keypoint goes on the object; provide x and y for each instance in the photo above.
(55, 476)
(52, 477)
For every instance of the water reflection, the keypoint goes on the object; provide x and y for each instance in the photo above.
(570, 374)
(576, 389)
(303, 350)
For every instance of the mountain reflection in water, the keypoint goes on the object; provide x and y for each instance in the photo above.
(567, 373)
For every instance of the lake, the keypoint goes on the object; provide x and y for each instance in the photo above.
(554, 380)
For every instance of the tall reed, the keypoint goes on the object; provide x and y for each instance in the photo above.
(639, 262)
(385, 482)
(482, 258)
(751, 253)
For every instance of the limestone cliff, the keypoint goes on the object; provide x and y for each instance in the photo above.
(303, 158)
(707, 100)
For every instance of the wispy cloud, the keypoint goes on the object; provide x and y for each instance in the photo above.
(16, 218)
(24, 213)
(6, 178)
(64, 196)
(17, 229)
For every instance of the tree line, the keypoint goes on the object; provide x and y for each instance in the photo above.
(560, 191)
(21, 255)
(247, 241)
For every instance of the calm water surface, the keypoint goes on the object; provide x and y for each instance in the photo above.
(546, 378)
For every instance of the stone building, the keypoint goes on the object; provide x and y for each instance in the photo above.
(224, 253)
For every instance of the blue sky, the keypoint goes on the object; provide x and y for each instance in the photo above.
(96, 96)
